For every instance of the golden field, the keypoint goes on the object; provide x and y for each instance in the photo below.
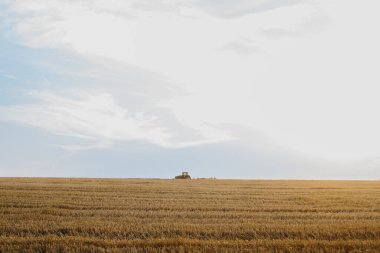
(138, 215)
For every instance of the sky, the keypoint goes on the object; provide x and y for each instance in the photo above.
(226, 89)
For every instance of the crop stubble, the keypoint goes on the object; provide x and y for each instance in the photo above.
(141, 215)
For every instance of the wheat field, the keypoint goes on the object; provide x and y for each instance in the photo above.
(141, 215)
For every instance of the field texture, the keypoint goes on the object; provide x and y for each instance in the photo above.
(95, 215)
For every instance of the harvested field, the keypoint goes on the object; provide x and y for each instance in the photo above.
(138, 215)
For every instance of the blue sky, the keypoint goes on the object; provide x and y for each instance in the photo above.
(227, 89)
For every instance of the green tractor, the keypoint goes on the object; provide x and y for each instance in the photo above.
(185, 175)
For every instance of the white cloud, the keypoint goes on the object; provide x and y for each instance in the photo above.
(316, 94)
(7, 75)
(97, 117)
(314, 20)
(242, 47)
(85, 115)
(238, 8)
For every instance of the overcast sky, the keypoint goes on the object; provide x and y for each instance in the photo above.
(231, 88)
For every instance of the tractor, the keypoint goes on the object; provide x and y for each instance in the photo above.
(185, 175)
